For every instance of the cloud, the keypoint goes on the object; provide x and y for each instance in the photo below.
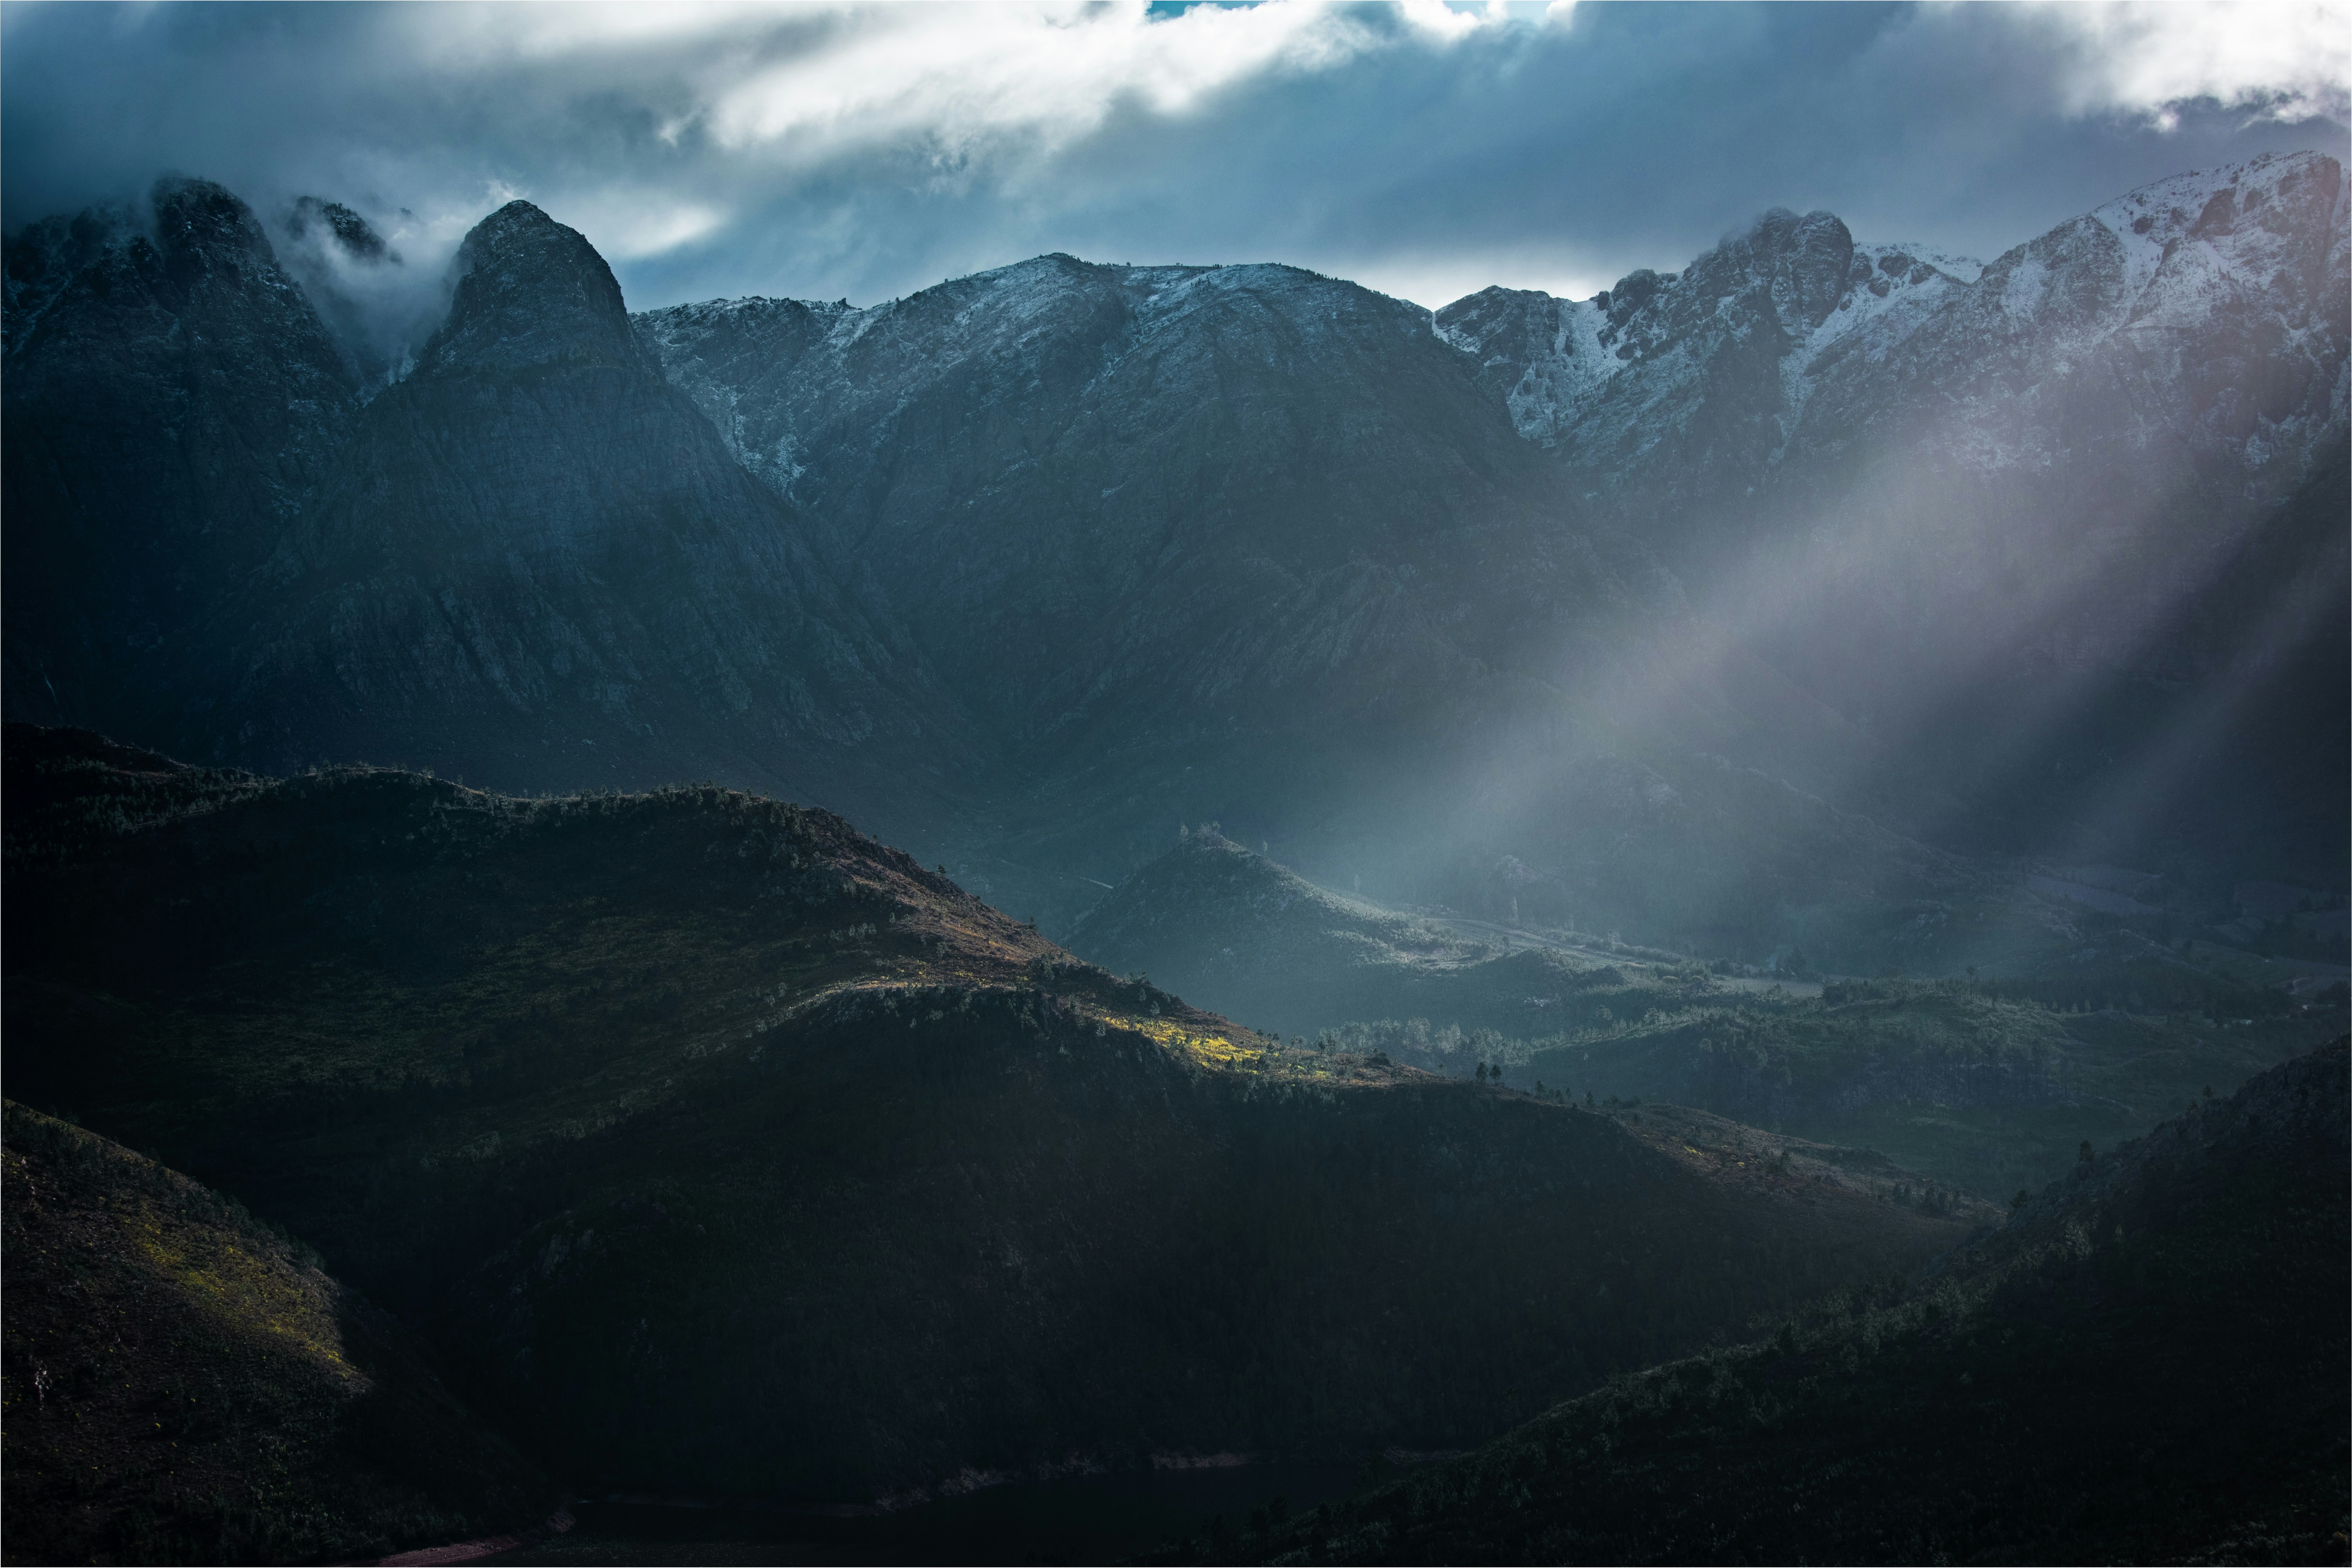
(957, 81)
(632, 224)
(1425, 148)
(2280, 61)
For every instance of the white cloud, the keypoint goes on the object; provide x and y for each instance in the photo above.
(2286, 60)
(954, 82)
(626, 225)
(739, 97)
(797, 84)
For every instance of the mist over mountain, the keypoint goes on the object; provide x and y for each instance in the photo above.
(534, 559)
(173, 403)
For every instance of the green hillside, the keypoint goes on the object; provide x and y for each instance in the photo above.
(723, 1150)
(185, 1385)
(1984, 1085)
(2146, 1364)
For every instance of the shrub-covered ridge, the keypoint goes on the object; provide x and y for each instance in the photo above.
(2146, 1364)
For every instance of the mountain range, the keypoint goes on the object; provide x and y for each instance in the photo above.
(643, 840)
(1818, 553)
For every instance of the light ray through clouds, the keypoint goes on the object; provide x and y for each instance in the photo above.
(1717, 671)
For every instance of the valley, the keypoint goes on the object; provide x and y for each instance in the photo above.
(1174, 912)
(1986, 1081)
(861, 1187)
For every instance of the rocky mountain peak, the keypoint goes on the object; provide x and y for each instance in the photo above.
(334, 223)
(1633, 292)
(46, 256)
(532, 292)
(1801, 262)
(197, 218)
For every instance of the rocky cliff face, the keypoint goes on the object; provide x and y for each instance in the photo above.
(171, 401)
(2152, 373)
(2190, 334)
(2109, 407)
(535, 557)
(1694, 381)
(1106, 495)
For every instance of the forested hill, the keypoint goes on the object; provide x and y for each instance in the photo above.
(719, 1148)
(2148, 1363)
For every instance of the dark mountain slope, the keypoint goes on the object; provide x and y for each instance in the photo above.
(1111, 497)
(1242, 543)
(184, 1386)
(733, 1151)
(2146, 1364)
(1185, 536)
(535, 561)
(171, 404)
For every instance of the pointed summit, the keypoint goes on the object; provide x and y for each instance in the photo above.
(1801, 262)
(532, 292)
(197, 218)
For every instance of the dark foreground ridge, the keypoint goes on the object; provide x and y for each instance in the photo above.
(185, 1385)
(722, 1150)
(2148, 1365)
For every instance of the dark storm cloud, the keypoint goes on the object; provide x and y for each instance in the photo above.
(831, 152)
